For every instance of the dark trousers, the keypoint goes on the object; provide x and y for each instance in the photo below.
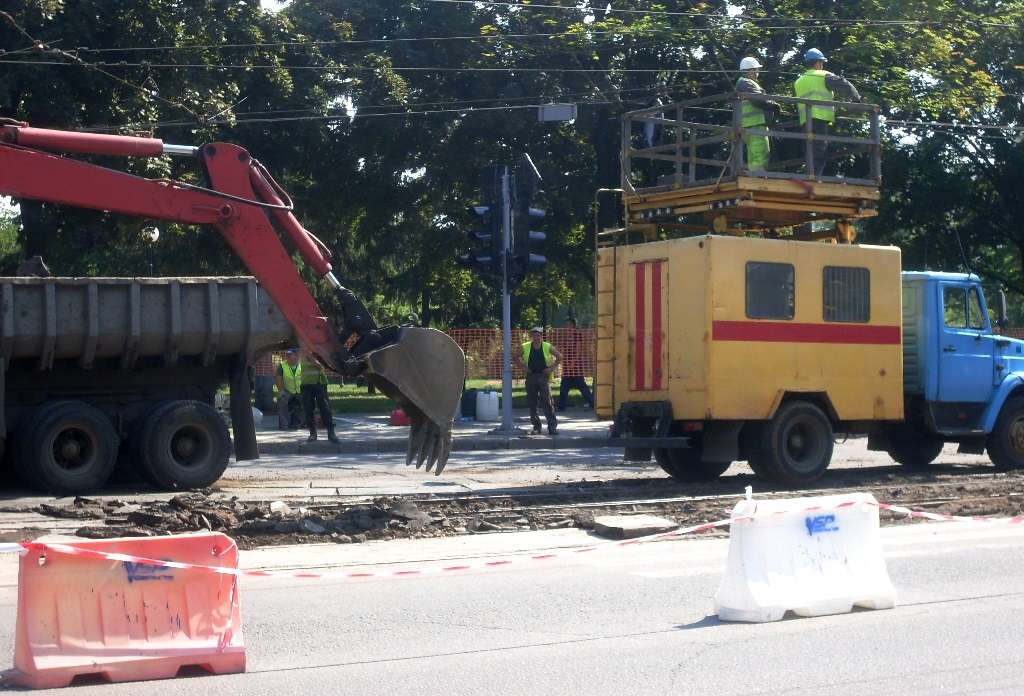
(818, 147)
(570, 383)
(538, 395)
(316, 395)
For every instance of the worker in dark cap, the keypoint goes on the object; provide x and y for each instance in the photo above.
(539, 361)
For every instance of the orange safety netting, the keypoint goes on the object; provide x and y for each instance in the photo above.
(485, 355)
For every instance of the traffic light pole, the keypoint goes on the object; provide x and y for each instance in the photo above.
(506, 310)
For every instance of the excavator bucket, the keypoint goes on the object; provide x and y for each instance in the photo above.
(424, 371)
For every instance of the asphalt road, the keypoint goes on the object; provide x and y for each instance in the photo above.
(624, 620)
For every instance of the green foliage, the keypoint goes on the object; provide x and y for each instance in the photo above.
(378, 115)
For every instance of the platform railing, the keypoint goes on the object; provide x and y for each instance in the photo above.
(701, 140)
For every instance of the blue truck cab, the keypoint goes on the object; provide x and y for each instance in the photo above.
(963, 382)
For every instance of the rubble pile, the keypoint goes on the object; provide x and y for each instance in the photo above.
(254, 524)
(325, 520)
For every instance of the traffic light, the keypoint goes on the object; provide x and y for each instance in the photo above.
(527, 184)
(487, 257)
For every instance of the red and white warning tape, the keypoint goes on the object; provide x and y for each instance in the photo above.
(105, 555)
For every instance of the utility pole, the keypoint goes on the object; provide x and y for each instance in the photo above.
(506, 308)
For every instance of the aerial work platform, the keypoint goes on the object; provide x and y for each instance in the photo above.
(684, 168)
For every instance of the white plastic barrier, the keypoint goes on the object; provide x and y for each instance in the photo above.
(811, 556)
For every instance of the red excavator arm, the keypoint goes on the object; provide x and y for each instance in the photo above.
(422, 369)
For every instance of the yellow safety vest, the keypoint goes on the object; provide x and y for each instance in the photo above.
(545, 346)
(811, 85)
(750, 114)
(312, 374)
(291, 376)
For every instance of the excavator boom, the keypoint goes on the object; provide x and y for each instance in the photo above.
(422, 369)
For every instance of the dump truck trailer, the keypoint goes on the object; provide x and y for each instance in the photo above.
(97, 370)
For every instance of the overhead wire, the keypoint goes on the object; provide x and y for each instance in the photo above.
(364, 111)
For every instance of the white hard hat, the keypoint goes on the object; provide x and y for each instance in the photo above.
(749, 64)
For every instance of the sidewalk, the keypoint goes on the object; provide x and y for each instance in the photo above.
(374, 434)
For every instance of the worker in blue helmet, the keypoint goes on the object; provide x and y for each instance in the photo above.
(818, 83)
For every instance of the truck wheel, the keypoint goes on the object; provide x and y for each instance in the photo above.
(67, 448)
(796, 446)
(1005, 443)
(684, 464)
(912, 448)
(183, 444)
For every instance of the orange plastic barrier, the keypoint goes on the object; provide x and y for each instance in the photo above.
(127, 621)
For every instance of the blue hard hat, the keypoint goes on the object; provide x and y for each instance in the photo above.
(814, 54)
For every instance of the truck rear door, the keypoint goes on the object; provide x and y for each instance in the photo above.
(966, 370)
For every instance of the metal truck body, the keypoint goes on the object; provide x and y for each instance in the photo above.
(122, 347)
(723, 348)
(69, 445)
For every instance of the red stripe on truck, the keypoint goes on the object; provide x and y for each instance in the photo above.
(791, 332)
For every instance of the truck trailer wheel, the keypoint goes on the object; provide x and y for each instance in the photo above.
(684, 464)
(183, 444)
(912, 448)
(796, 446)
(1005, 443)
(66, 448)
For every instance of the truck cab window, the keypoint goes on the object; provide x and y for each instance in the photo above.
(975, 315)
(954, 302)
(769, 290)
(846, 294)
(962, 308)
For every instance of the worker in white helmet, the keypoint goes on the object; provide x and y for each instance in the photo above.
(755, 113)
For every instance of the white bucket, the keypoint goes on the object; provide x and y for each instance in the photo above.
(487, 406)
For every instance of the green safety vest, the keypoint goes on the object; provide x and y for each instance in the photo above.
(545, 346)
(811, 85)
(750, 114)
(291, 376)
(311, 373)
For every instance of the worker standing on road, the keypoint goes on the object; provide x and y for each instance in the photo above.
(756, 112)
(314, 395)
(818, 83)
(539, 360)
(289, 384)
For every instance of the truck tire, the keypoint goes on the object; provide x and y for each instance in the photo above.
(684, 464)
(66, 448)
(912, 448)
(796, 446)
(1005, 443)
(182, 444)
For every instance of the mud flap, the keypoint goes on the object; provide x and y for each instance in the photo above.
(242, 424)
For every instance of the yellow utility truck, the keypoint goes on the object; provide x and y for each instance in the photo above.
(714, 349)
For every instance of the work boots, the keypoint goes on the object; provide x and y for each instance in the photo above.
(312, 435)
(331, 437)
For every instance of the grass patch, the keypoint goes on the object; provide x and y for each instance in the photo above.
(352, 398)
(355, 398)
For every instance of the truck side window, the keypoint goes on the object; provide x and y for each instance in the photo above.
(954, 301)
(846, 294)
(769, 290)
(975, 317)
